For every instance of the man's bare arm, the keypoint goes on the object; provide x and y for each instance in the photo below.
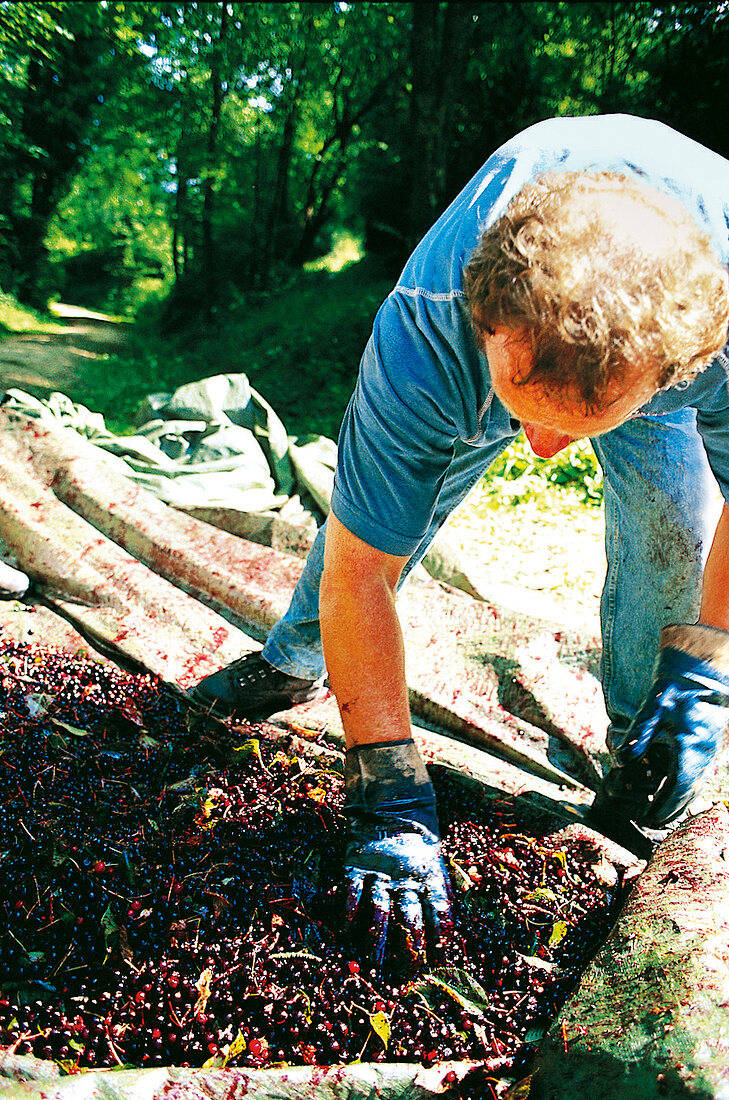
(363, 645)
(393, 857)
(715, 596)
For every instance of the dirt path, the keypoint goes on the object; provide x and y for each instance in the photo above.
(55, 360)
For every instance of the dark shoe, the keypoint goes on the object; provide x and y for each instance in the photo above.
(620, 804)
(251, 687)
(611, 821)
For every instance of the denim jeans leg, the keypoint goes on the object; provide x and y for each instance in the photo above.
(661, 510)
(294, 643)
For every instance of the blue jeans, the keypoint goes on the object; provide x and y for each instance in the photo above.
(660, 519)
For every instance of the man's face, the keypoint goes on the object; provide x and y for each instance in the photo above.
(550, 423)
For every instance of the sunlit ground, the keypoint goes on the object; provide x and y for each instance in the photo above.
(346, 249)
(17, 318)
(544, 555)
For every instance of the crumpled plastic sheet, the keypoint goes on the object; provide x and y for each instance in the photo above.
(216, 442)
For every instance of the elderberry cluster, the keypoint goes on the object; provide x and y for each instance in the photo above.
(169, 894)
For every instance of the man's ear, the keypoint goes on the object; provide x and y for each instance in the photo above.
(523, 338)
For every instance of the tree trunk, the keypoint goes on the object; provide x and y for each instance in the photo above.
(53, 112)
(316, 206)
(316, 213)
(178, 219)
(649, 1017)
(424, 121)
(278, 210)
(209, 265)
(255, 267)
(441, 34)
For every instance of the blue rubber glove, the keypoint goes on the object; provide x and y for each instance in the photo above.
(674, 740)
(393, 851)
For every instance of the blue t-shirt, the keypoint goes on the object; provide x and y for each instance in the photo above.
(424, 385)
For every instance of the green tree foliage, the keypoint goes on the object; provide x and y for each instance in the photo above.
(227, 140)
(60, 63)
(267, 104)
(690, 69)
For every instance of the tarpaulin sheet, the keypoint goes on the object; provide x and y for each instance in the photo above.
(213, 444)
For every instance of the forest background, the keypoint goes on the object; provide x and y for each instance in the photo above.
(244, 180)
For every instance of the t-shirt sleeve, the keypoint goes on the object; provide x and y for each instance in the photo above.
(399, 430)
(713, 423)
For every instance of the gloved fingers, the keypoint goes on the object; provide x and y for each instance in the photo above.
(658, 787)
(380, 917)
(630, 790)
(679, 782)
(639, 791)
(449, 893)
(355, 886)
(410, 913)
(670, 748)
(437, 912)
(639, 735)
(668, 804)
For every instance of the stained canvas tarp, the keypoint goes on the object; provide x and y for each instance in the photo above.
(213, 445)
(218, 451)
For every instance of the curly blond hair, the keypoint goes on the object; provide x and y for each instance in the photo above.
(606, 274)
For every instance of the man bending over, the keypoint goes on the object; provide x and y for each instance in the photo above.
(576, 288)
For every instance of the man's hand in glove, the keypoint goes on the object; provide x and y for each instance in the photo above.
(674, 740)
(393, 854)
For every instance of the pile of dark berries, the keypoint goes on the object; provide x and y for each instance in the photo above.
(169, 895)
